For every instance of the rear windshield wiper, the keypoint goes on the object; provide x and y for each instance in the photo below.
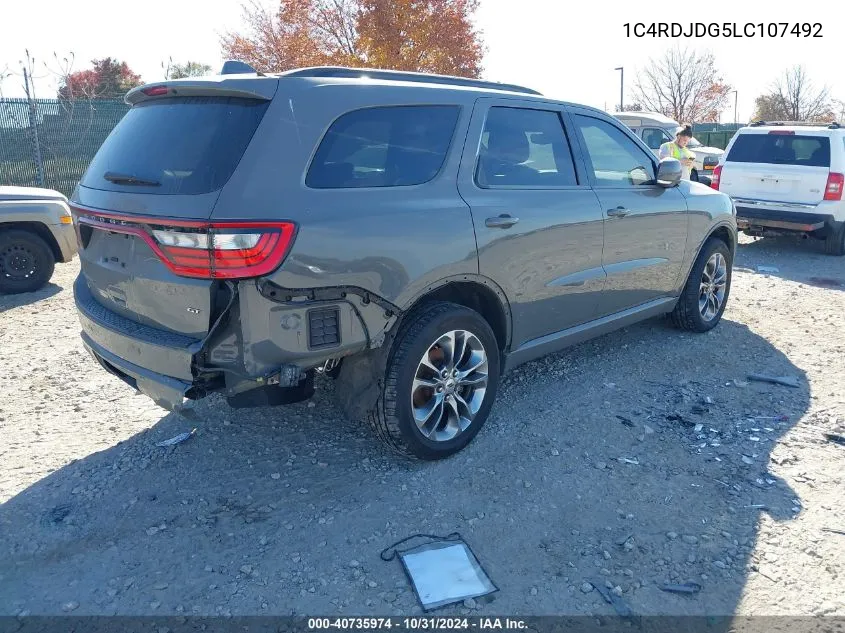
(126, 179)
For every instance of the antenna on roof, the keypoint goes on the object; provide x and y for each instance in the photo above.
(236, 67)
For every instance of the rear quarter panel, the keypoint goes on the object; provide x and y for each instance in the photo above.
(392, 241)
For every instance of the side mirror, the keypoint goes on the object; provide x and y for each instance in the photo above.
(669, 172)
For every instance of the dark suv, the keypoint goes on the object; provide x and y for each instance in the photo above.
(413, 236)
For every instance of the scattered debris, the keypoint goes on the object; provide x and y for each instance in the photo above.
(626, 460)
(173, 441)
(767, 269)
(57, 515)
(698, 428)
(836, 439)
(612, 599)
(625, 421)
(832, 531)
(757, 506)
(786, 381)
(686, 588)
(677, 417)
(747, 460)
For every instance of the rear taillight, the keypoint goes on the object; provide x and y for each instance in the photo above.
(206, 250)
(835, 184)
(715, 177)
(225, 251)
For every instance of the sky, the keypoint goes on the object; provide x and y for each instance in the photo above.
(567, 50)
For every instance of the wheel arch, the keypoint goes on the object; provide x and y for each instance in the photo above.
(39, 229)
(475, 292)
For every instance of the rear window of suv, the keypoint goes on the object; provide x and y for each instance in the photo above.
(179, 145)
(385, 146)
(781, 149)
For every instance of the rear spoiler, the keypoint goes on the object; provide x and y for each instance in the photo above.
(236, 79)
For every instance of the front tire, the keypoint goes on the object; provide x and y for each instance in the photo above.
(26, 262)
(440, 382)
(705, 295)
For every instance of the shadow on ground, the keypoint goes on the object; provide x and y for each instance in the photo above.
(796, 259)
(637, 459)
(10, 302)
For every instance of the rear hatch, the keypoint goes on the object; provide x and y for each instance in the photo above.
(777, 166)
(143, 206)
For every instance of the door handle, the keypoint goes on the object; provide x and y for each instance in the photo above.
(503, 221)
(618, 212)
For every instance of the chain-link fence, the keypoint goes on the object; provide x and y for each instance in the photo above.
(49, 142)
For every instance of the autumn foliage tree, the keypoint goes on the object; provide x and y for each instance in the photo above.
(107, 79)
(683, 85)
(434, 36)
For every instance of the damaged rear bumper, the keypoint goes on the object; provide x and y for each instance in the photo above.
(269, 340)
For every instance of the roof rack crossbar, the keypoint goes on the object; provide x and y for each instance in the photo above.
(398, 75)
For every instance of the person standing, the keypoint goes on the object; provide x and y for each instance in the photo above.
(678, 149)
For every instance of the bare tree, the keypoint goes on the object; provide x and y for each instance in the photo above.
(793, 97)
(683, 85)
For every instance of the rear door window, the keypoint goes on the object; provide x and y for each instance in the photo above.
(384, 147)
(178, 145)
(521, 147)
(654, 137)
(781, 149)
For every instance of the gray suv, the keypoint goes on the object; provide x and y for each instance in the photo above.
(412, 236)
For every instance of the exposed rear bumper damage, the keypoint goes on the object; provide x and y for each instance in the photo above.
(266, 342)
(758, 218)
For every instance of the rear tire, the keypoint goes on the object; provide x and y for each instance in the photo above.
(26, 262)
(834, 244)
(428, 414)
(705, 295)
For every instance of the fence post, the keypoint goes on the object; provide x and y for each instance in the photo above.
(33, 129)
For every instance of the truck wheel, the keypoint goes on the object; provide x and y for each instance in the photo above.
(26, 262)
(705, 295)
(439, 382)
(834, 244)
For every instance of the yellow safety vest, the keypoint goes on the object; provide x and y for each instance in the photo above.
(677, 151)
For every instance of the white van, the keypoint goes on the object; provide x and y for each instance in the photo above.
(656, 129)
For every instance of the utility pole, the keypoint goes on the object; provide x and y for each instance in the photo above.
(621, 87)
(736, 100)
(33, 124)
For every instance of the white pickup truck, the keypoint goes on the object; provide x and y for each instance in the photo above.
(36, 231)
(787, 177)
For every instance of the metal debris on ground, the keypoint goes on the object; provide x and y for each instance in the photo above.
(686, 588)
(173, 441)
(832, 531)
(626, 460)
(767, 269)
(836, 439)
(622, 609)
(786, 381)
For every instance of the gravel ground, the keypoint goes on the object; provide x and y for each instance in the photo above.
(640, 458)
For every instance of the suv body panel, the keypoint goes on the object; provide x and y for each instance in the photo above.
(371, 254)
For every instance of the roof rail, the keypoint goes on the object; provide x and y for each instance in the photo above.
(832, 125)
(237, 67)
(398, 75)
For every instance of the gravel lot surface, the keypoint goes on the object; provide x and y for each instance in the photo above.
(641, 458)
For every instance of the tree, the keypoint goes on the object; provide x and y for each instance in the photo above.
(417, 35)
(108, 79)
(793, 97)
(631, 107)
(683, 85)
(188, 69)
